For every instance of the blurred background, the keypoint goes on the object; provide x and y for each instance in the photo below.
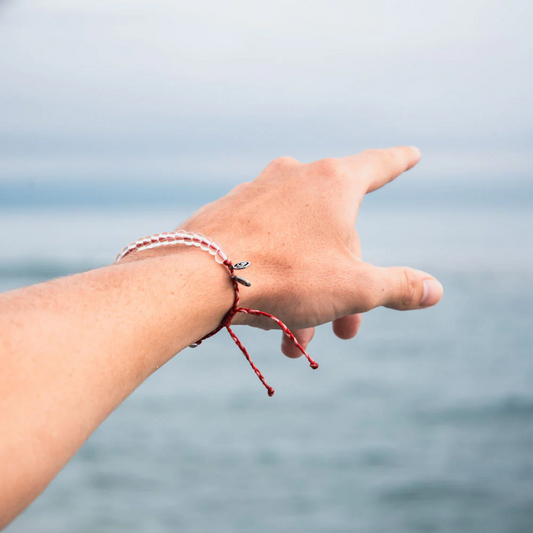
(119, 119)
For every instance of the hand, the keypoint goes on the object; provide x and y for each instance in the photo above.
(295, 224)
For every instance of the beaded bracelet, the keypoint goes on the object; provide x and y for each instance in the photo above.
(197, 239)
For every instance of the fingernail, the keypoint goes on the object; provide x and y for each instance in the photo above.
(432, 293)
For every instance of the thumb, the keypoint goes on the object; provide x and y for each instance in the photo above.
(405, 288)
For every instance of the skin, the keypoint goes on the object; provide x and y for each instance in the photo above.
(72, 349)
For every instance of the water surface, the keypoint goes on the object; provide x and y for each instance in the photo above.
(424, 423)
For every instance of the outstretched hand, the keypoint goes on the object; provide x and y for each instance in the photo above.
(296, 224)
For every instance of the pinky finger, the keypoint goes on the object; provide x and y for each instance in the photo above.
(303, 336)
(347, 326)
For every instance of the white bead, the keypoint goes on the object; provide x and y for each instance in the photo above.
(214, 247)
(220, 257)
(187, 239)
(179, 236)
(223, 255)
(197, 239)
(164, 238)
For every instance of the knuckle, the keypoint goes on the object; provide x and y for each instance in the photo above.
(372, 153)
(329, 167)
(377, 156)
(282, 163)
(409, 290)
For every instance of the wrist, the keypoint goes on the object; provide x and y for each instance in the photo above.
(250, 297)
(193, 292)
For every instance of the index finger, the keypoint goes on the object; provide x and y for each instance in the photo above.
(376, 168)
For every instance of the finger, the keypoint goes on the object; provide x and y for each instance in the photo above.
(375, 168)
(303, 336)
(404, 288)
(347, 326)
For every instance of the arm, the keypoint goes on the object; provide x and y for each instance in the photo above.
(72, 349)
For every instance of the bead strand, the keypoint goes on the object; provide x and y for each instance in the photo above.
(175, 237)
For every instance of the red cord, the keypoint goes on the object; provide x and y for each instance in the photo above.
(226, 323)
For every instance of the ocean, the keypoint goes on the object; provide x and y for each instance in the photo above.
(423, 423)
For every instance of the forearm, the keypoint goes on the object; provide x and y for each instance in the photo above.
(72, 349)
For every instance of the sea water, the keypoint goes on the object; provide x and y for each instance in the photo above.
(423, 423)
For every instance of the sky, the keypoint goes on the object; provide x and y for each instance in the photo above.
(208, 92)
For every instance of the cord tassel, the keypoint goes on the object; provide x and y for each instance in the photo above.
(286, 330)
(248, 358)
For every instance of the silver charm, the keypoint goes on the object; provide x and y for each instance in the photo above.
(241, 265)
(242, 281)
(194, 345)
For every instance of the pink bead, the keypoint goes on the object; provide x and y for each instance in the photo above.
(180, 234)
(214, 247)
(220, 257)
(164, 238)
(197, 239)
